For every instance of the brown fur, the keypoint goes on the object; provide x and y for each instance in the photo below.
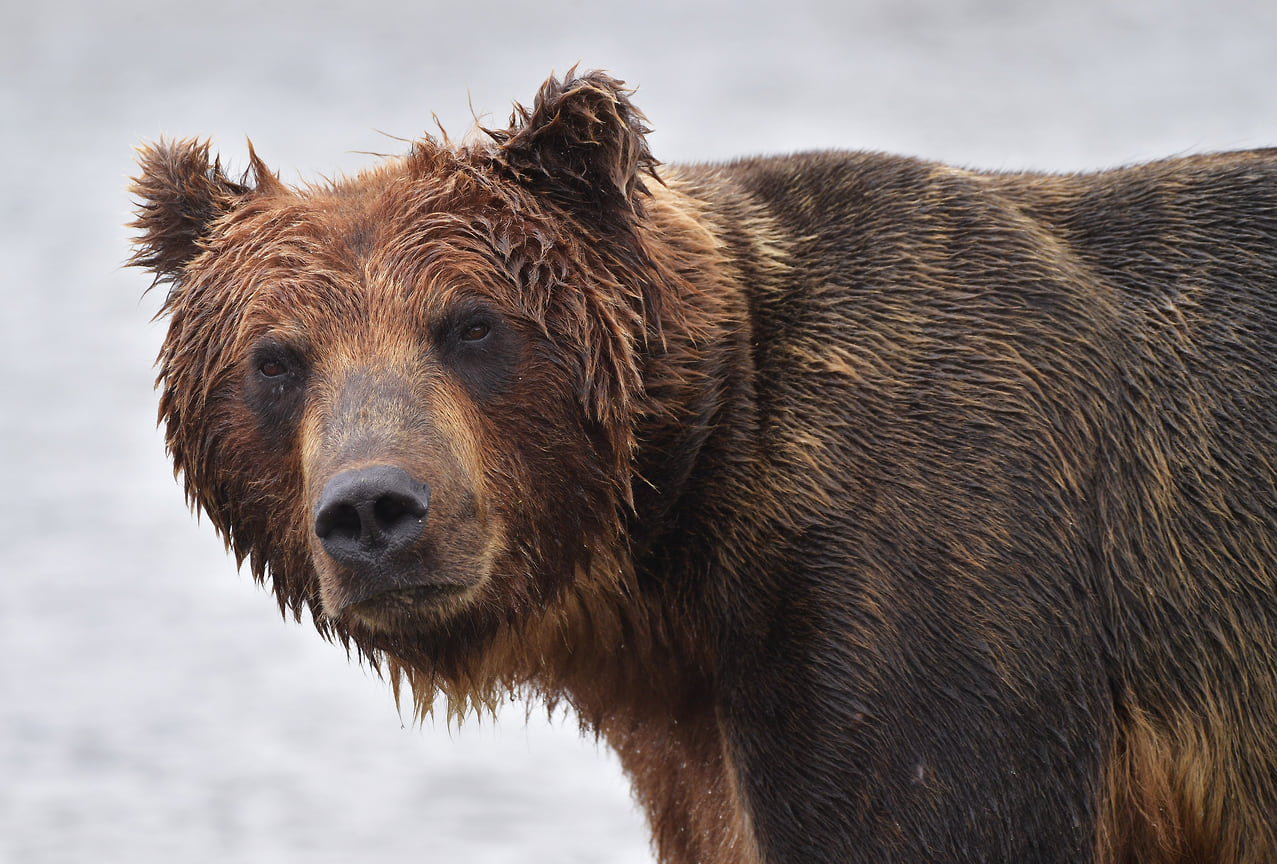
(870, 509)
(1179, 796)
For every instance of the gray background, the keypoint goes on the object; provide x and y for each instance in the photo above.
(153, 706)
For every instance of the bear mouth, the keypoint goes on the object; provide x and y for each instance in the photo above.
(395, 608)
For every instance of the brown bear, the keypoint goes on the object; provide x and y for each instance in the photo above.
(871, 509)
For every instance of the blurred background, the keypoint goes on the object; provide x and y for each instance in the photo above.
(153, 705)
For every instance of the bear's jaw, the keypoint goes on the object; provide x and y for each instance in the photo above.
(398, 609)
(435, 579)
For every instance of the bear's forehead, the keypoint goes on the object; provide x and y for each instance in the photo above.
(381, 219)
(386, 245)
(400, 204)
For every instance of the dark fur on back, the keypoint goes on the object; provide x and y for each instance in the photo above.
(871, 509)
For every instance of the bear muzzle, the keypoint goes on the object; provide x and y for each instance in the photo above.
(370, 523)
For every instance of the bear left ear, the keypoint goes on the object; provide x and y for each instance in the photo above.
(582, 143)
(181, 193)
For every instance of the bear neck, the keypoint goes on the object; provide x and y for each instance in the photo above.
(645, 675)
(698, 375)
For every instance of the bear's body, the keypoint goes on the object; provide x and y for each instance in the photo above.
(871, 509)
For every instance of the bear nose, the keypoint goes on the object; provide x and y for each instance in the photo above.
(367, 514)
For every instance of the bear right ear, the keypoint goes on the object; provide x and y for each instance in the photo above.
(181, 194)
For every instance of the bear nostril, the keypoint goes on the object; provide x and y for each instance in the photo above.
(392, 508)
(340, 519)
(367, 514)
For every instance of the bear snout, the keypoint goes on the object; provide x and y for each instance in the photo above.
(367, 516)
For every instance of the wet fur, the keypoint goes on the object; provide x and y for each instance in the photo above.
(871, 509)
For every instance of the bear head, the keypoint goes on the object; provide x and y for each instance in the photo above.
(408, 399)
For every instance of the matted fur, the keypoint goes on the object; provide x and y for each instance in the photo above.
(870, 509)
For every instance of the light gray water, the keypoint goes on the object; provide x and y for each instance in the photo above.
(153, 705)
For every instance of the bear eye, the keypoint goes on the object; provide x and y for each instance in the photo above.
(274, 388)
(275, 364)
(478, 345)
(272, 368)
(475, 331)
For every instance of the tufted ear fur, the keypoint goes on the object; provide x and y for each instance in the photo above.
(582, 143)
(181, 194)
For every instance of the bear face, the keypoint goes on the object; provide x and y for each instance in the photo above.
(409, 398)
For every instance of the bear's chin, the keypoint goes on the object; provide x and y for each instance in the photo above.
(404, 609)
